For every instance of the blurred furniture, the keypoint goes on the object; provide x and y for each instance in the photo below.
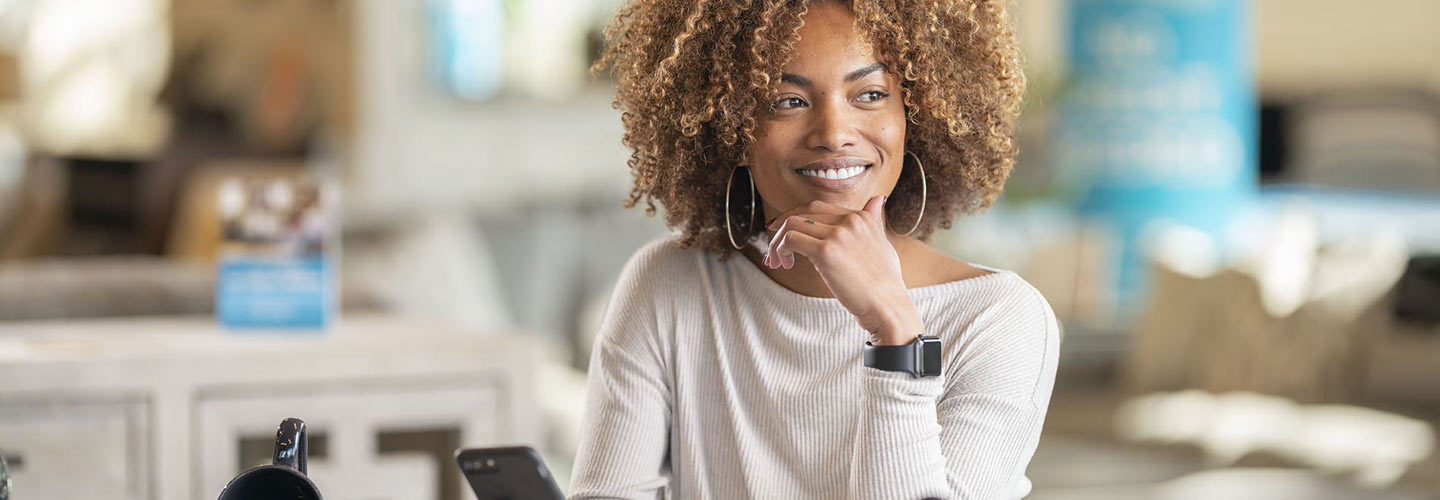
(34, 215)
(1366, 446)
(88, 287)
(1417, 297)
(1213, 333)
(1405, 365)
(1267, 484)
(104, 216)
(1373, 140)
(1289, 317)
(161, 408)
(1303, 308)
(13, 162)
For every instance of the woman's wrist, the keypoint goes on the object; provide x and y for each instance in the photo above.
(900, 325)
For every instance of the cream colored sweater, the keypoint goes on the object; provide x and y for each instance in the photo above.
(711, 381)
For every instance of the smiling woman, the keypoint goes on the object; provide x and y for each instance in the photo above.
(697, 89)
(842, 356)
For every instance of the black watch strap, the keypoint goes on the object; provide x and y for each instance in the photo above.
(919, 358)
(891, 358)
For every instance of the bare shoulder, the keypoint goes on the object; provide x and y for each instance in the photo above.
(955, 269)
(937, 267)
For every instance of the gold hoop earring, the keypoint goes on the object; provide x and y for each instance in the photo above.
(729, 232)
(923, 194)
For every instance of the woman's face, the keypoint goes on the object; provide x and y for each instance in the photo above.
(836, 131)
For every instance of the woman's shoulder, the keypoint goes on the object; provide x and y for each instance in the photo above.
(1018, 294)
(980, 288)
(660, 262)
(949, 275)
(1000, 317)
(663, 252)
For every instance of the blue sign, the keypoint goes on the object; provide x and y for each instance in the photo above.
(1158, 120)
(284, 294)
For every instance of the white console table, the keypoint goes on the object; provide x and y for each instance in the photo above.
(157, 408)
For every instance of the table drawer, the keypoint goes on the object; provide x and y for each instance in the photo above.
(69, 448)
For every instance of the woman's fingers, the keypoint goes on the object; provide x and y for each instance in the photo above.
(782, 225)
(821, 220)
(797, 242)
(806, 224)
(816, 207)
(829, 216)
(873, 212)
(795, 220)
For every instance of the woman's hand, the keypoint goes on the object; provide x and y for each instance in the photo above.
(853, 254)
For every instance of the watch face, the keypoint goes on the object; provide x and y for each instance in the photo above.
(930, 354)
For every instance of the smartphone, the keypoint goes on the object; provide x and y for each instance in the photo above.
(507, 474)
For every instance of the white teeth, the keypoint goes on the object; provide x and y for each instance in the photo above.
(837, 174)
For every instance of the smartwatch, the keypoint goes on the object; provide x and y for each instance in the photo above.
(919, 358)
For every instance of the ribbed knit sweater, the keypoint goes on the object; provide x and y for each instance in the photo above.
(709, 380)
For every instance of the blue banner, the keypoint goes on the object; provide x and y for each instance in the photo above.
(1158, 119)
(284, 294)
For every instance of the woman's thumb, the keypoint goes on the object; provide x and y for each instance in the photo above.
(876, 206)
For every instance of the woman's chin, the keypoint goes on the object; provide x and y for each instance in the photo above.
(850, 200)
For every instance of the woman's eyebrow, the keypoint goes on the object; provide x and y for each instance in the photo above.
(857, 74)
(852, 76)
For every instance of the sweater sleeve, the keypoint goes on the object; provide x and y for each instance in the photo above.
(624, 437)
(970, 433)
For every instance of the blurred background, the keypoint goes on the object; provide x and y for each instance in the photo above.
(400, 220)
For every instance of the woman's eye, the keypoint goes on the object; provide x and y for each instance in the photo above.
(878, 95)
(785, 103)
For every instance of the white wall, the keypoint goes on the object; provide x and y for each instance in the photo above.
(1307, 45)
(418, 149)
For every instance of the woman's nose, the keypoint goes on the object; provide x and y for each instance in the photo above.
(832, 129)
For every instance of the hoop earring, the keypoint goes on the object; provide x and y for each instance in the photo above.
(923, 194)
(729, 232)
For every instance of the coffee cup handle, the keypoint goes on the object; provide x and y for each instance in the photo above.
(290, 444)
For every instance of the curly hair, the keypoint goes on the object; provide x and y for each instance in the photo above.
(691, 74)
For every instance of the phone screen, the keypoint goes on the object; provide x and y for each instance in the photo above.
(507, 474)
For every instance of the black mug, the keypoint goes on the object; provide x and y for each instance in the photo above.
(284, 478)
